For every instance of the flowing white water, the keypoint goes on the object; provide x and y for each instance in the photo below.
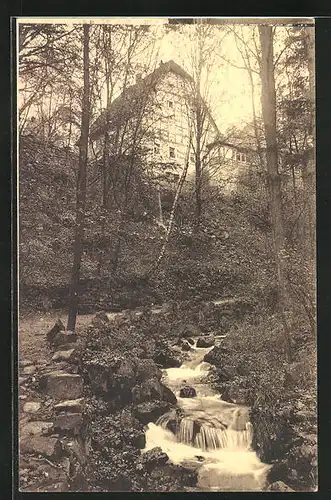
(206, 433)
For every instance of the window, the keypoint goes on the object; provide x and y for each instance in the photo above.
(156, 148)
(241, 157)
(172, 152)
(170, 104)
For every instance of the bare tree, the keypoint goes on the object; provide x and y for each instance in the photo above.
(81, 186)
(268, 98)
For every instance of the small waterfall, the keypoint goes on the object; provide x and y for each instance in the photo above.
(209, 433)
(186, 431)
(206, 432)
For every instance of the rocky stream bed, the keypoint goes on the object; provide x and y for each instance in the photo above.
(135, 402)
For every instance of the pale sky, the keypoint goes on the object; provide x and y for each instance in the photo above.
(230, 89)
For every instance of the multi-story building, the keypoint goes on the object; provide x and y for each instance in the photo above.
(157, 113)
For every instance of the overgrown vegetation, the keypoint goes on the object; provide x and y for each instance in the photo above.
(144, 233)
(251, 369)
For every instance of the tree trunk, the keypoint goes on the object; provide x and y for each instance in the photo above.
(160, 204)
(81, 189)
(153, 268)
(268, 95)
(309, 172)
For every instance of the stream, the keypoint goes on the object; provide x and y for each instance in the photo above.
(206, 433)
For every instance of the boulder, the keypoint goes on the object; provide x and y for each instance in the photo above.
(145, 369)
(69, 422)
(64, 337)
(185, 345)
(61, 385)
(188, 331)
(39, 445)
(31, 407)
(126, 369)
(279, 486)
(152, 389)
(187, 392)
(58, 327)
(206, 341)
(25, 362)
(70, 405)
(168, 477)
(150, 411)
(165, 357)
(154, 458)
(35, 428)
(135, 438)
(63, 355)
(168, 395)
(28, 370)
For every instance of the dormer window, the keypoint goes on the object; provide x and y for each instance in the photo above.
(172, 152)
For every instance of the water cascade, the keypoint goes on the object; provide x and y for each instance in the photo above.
(207, 433)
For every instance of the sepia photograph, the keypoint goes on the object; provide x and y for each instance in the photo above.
(166, 254)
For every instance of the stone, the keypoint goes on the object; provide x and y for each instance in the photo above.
(63, 355)
(145, 369)
(188, 331)
(152, 389)
(126, 369)
(48, 446)
(70, 405)
(61, 385)
(58, 327)
(67, 347)
(65, 337)
(150, 411)
(31, 407)
(168, 395)
(185, 345)
(35, 428)
(187, 392)
(69, 422)
(206, 341)
(103, 316)
(28, 370)
(279, 486)
(165, 357)
(25, 362)
(154, 458)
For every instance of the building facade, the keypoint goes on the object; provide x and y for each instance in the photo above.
(159, 113)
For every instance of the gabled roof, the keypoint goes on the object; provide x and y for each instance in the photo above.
(242, 140)
(131, 98)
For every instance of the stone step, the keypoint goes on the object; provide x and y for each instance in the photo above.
(70, 405)
(39, 445)
(61, 385)
(63, 355)
(68, 422)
